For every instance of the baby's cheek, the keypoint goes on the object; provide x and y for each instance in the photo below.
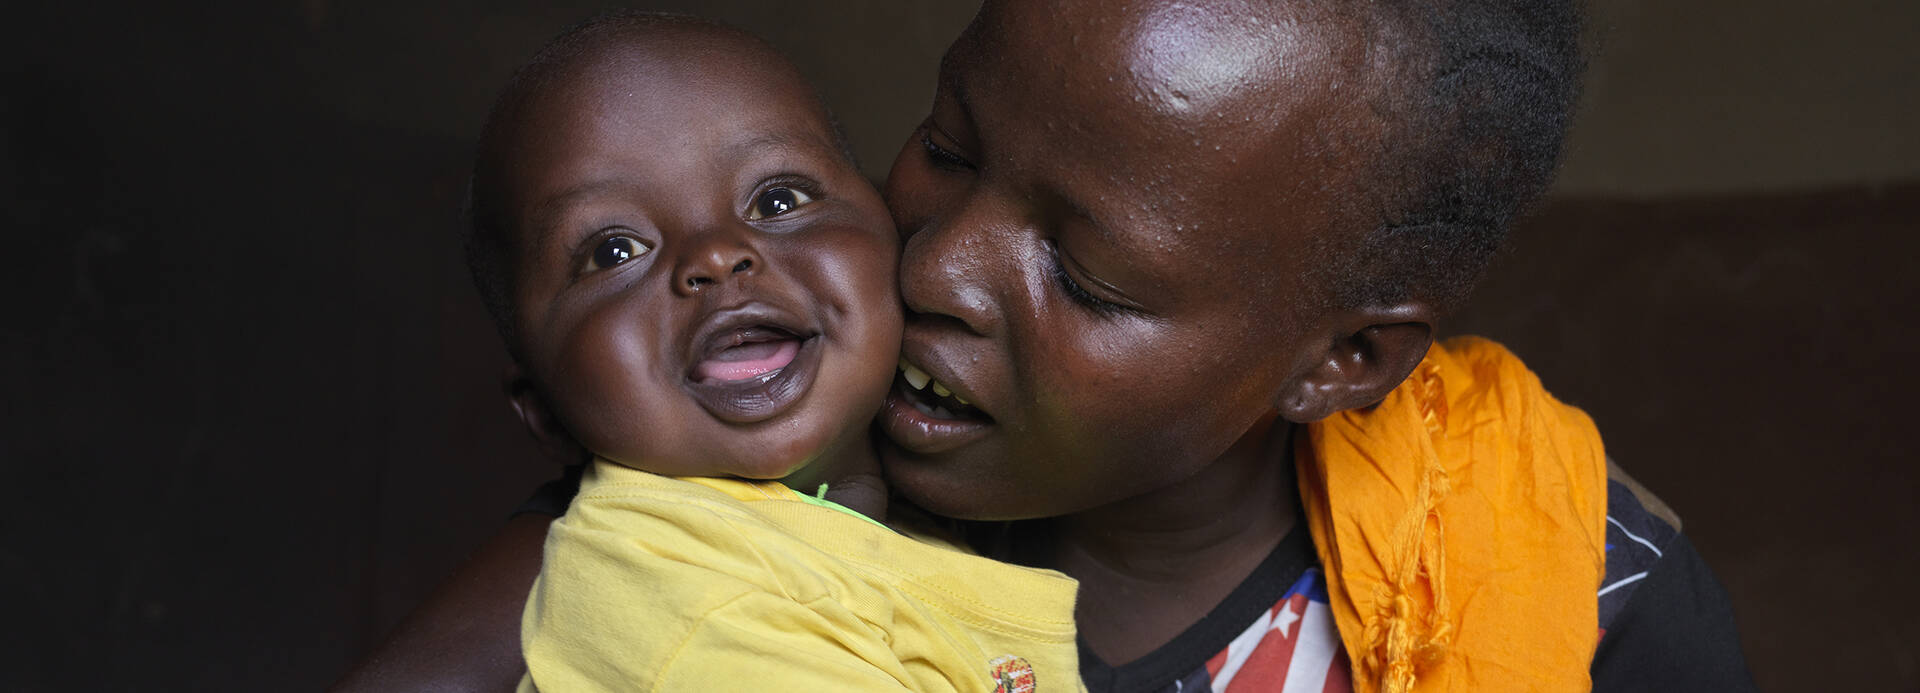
(610, 419)
(606, 393)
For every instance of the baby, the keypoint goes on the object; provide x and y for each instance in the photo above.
(698, 290)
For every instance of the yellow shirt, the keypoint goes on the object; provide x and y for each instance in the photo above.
(696, 584)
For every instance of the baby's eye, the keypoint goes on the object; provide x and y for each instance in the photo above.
(617, 250)
(775, 202)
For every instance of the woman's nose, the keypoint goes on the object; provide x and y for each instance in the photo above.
(712, 259)
(950, 267)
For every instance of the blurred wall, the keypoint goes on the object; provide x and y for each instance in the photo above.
(1718, 96)
(252, 403)
(432, 69)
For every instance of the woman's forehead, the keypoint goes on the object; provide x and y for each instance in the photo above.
(1164, 96)
(1187, 138)
(1224, 75)
(1182, 56)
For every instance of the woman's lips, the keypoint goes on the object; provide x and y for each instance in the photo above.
(925, 416)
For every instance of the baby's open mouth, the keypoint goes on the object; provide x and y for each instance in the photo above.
(750, 363)
(747, 353)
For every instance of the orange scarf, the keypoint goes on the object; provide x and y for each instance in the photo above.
(1462, 526)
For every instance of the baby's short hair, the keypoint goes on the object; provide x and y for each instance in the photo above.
(1480, 106)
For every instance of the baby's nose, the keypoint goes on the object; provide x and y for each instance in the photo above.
(712, 260)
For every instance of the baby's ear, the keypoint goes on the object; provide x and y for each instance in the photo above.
(1366, 359)
(532, 407)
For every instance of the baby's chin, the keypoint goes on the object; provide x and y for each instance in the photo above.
(800, 451)
(717, 462)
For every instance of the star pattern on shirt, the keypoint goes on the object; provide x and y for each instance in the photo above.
(1285, 619)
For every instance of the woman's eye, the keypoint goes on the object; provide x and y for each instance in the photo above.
(1079, 293)
(616, 250)
(777, 201)
(941, 156)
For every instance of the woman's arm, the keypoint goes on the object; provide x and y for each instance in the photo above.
(466, 637)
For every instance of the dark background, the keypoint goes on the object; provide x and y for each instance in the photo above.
(251, 411)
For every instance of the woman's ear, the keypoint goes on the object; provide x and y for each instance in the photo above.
(1367, 358)
(533, 410)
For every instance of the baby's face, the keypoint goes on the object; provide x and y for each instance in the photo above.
(704, 284)
(1108, 249)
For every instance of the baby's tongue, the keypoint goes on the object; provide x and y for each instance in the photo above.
(748, 360)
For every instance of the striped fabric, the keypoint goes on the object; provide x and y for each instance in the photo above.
(1293, 643)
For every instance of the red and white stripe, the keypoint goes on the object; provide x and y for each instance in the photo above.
(1294, 644)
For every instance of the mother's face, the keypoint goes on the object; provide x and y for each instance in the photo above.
(1107, 217)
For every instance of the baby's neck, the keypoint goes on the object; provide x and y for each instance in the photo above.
(851, 474)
